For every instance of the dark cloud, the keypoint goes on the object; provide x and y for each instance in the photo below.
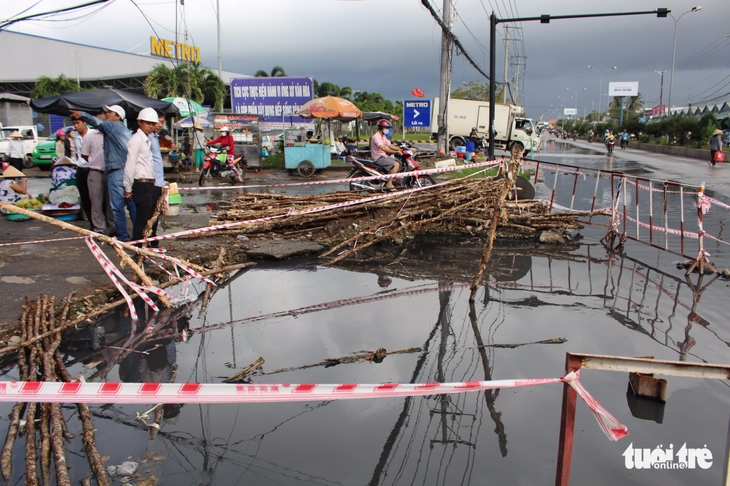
(393, 47)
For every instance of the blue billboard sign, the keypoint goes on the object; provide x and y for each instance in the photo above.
(273, 99)
(417, 113)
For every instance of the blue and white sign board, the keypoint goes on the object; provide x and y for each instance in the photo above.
(417, 113)
(272, 99)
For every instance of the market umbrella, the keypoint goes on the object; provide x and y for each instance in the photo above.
(92, 101)
(189, 121)
(329, 107)
(185, 106)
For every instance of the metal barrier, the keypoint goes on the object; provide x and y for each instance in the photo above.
(633, 207)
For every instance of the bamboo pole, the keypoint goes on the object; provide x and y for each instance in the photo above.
(110, 306)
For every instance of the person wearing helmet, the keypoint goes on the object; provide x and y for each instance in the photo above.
(226, 140)
(116, 135)
(139, 173)
(381, 148)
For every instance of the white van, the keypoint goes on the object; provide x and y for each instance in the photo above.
(30, 140)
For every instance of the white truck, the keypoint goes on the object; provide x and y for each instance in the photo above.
(510, 126)
(30, 140)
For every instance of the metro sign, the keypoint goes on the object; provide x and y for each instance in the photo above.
(417, 113)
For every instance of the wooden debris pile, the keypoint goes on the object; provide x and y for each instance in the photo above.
(44, 426)
(463, 206)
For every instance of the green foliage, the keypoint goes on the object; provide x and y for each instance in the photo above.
(474, 90)
(708, 124)
(46, 87)
(189, 80)
(276, 72)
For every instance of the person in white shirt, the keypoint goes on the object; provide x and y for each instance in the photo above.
(139, 174)
(15, 150)
(82, 167)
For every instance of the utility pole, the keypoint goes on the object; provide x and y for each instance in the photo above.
(218, 21)
(661, 89)
(506, 58)
(518, 93)
(447, 50)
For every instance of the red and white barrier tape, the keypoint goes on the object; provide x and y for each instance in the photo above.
(42, 241)
(142, 393)
(354, 179)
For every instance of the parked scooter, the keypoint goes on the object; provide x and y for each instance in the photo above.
(218, 164)
(365, 168)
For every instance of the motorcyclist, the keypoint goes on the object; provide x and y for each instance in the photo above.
(624, 138)
(590, 135)
(381, 148)
(226, 140)
(610, 140)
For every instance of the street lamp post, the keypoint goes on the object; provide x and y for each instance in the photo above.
(674, 50)
(600, 88)
(544, 19)
(576, 98)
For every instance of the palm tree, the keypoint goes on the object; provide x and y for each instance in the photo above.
(190, 80)
(46, 87)
(162, 82)
(276, 72)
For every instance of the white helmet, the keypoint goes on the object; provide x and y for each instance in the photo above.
(224, 130)
(148, 115)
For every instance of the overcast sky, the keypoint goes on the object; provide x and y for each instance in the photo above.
(393, 46)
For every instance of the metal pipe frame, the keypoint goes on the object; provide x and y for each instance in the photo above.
(576, 361)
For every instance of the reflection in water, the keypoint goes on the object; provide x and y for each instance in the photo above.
(293, 316)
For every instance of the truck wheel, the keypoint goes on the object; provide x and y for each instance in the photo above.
(28, 161)
(456, 142)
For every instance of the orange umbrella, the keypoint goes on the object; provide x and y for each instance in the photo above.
(329, 107)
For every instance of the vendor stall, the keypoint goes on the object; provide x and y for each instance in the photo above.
(305, 158)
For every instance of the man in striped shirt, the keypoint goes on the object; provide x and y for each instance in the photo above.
(92, 151)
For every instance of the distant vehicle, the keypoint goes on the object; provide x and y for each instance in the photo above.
(30, 140)
(46, 150)
(510, 128)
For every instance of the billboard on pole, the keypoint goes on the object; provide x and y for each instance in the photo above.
(623, 88)
(272, 99)
(570, 111)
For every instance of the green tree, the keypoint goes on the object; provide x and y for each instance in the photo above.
(474, 90)
(276, 72)
(190, 80)
(633, 108)
(46, 87)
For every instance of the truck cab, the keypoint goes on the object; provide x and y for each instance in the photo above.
(524, 132)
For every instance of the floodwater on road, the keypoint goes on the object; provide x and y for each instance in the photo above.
(301, 317)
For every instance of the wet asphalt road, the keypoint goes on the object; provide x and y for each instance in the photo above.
(59, 267)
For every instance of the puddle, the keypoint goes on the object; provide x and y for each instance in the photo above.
(297, 315)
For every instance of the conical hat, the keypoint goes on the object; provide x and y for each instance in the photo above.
(64, 161)
(12, 173)
(16, 134)
(716, 132)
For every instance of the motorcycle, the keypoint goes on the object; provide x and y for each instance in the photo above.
(624, 143)
(590, 138)
(218, 164)
(365, 168)
(609, 145)
(575, 137)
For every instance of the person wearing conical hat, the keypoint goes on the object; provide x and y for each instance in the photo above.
(13, 186)
(715, 145)
(15, 151)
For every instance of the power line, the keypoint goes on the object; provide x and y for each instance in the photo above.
(10, 22)
(455, 39)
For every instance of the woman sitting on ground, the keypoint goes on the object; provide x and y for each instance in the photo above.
(63, 179)
(13, 186)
